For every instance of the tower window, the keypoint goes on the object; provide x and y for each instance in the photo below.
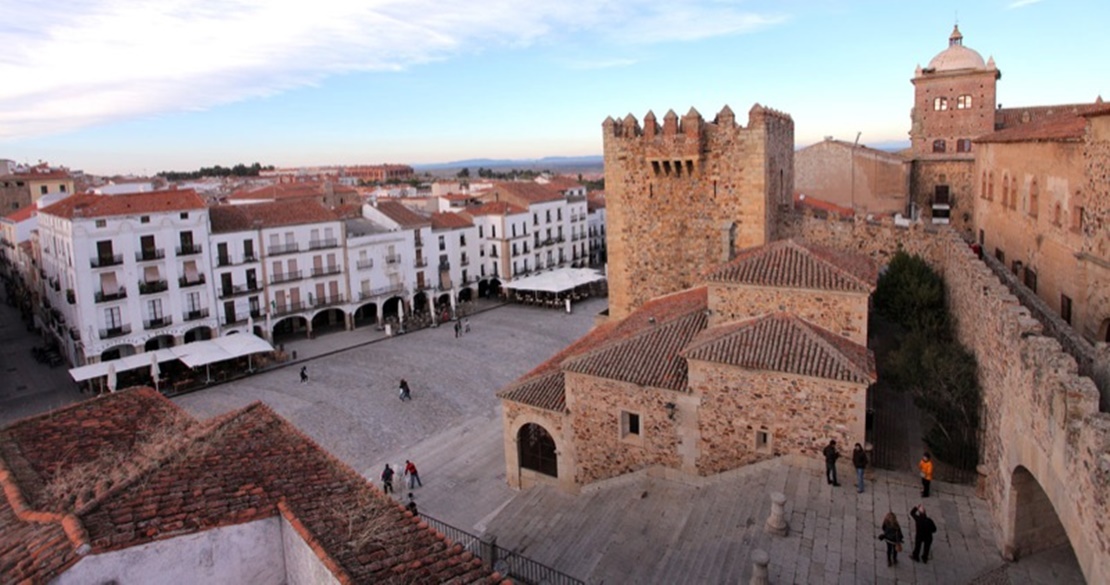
(940, 104)
(963, 102)
(963, 145)
(939, 146)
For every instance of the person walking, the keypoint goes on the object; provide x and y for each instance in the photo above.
(923, 529)
(926, 468)
(859, 461)
(458, 329)
(466, 325)
(831, 455)
(387, 479)
(892, 535)
(411, 506)
(412, 474)
(403, 391)
(304, 374)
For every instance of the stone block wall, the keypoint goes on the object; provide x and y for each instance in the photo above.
(925, 175)
(842, 313)
(1096, 223)
(656, 174)
(799, 413)
(515, 415)
(853, 177)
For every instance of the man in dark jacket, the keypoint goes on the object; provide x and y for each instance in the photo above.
(831, 455)
(859, 461)
(924, 527)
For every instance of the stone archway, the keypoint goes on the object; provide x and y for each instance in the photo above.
(393, 307)
(466, 294)
(159, 342)
(198, 334)
(536, 450)
(1035, 524)
(117, 351)
(366, 314)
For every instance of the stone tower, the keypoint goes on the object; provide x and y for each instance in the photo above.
(954, 101)
(685, 196)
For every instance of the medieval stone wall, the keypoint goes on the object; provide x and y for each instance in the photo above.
(682, 196)
(958, 175)
(853, 177)
(1096, 224)
(514, 416)
(799, 414)
(841, 313)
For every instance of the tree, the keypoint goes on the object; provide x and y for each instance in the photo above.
(464, 173)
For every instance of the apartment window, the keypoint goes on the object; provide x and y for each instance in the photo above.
(963, 102)
(144, 219)
(184, 215)
(442, 244)
(559, 214)
(101, 223)
(493, 231)
(535, 219)
(939, 145)
(480, 232)
(940, 104)
(548, 216)
(1031, 279)
(963, 145)
(43, 190)
(514, 230)
(192, 301)
(462, 239)
(630, 425)
(112, 318)
(154, 309)
(248, 249)
(62, 188)
(1065, 308)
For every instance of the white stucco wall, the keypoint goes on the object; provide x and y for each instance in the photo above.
(302, 566)
(232, 555)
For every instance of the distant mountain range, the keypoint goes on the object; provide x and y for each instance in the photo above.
(547, 162)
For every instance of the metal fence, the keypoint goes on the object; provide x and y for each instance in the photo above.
(509, 563)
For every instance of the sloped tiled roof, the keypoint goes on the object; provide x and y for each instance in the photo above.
(237, 218)
(789, 264)
(787, 344)
(88, 205)
(526, 192)
(1066, 126)
(495, 208)
(22, 214)
(401, 214)
(243, 466)
(651, 358)
(449, 221)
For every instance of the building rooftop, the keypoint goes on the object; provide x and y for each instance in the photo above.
(22, 214)
(87, 205)
(790, 264)
(495, 208)
(400, 213)
(245, 217)
(525, 192)
(1050, 124)
(112, 473)
(450, 221)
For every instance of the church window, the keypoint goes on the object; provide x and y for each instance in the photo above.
(963, 145)
(990, 185)
(939, 145)
(1034, 199)
(963, 102)
(630, 425)
(940, 104)
(1013, 193)
(1005, 190)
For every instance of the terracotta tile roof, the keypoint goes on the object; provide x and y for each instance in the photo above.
(595, 200)
(1068, 125)
(88, 205)
(348, 211)
(789, 264)
(803, 200)
(1013, 117)
(784, 343)
(401, 214)
(549, 393)
(246, 465)
(243, 217)
(524, 193)
(279, 191)
(563, 183)
(651, 358)
(495, 208)
(22, 214)
(38, 176)
(450, 221)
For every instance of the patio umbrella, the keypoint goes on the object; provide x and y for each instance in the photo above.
(155, 371)
(112, 377)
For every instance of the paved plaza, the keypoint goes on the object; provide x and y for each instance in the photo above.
(639, 528)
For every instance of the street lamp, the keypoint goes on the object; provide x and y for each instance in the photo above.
(853, 164)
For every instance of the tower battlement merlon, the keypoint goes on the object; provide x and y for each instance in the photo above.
(760, 112)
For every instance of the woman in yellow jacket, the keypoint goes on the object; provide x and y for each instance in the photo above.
(926, 468)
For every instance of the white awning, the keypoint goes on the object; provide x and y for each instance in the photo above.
(193, 354)
(556, 281)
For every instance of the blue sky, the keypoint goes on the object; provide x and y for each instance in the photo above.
(133, 86)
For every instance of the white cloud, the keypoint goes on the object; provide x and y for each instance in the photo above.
(1022, 4)
(74, 63)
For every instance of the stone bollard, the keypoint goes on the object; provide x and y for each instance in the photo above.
(776, 524)
(760, 560)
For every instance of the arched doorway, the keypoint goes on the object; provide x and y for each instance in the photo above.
(420, 304)
(494, 287)
(465, 295)
(366, 314)
(1036, 527)
(116, 352)
(294, 327)
(483, 289)
(159, 342)
(329, 320)
(536, 450)
(392, 307)
(198, 334)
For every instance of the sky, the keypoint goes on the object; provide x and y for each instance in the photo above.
(142, 86)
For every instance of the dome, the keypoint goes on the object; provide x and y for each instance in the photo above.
(957, 56)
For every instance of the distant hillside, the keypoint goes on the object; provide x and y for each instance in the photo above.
(555, 164)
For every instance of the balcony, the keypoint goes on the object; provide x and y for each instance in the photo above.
(103, 297)
(419, 242)
(393, 259)
(381, 291)
(444, 266)
(325, 270)
(185, 282)
(189, 250)
(285, 277)
(445, 286)
(149, 254)
(111, 332)
(153, 286)
(283, 249)
(282, 310)
(157, 323)
(195, 314)
(321, 244)
(239, 289)
(327, 301)
(106, 260)
(421, 262)
(223, 261)
(365, 264)
(464, 261)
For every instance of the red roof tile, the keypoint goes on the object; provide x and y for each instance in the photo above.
(22, 214)
(237, 218)
(1067, 126)
(803, 200)
(784, 343)
(449, 221)
(789, 264)
(237, 468)
(348, 211)
(495, 208)
(87, 205)
(523, 193)
(401, 214)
